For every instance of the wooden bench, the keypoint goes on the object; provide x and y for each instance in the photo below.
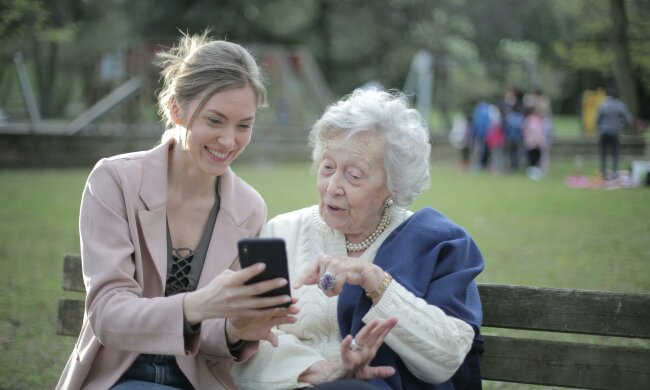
(71, 311)
(532, 358)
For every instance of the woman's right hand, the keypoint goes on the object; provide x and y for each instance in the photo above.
(227, 296)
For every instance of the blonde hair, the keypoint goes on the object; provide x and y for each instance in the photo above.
(199, 65)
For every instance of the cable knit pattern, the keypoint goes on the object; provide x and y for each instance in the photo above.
(431, 344)
(443, 341)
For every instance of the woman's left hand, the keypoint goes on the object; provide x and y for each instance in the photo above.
(355, 357)
(340, 270)
(259, 328)
(358, 352)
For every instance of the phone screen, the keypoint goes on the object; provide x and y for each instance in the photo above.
(270, 251)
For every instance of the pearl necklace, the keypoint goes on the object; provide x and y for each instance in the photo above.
(365, 244)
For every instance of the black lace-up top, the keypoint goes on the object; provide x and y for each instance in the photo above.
(184, 265)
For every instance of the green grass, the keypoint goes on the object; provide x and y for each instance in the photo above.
(566, 126)
(531, 233)
(38, 223)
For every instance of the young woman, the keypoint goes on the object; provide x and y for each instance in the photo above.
(166, 305)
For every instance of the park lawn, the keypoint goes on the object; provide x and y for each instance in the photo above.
(38, 224)
(531, 233)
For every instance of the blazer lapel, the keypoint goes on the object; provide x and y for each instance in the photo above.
(153, 219)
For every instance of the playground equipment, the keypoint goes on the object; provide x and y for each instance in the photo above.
(419, 82)
(30, 102)
(298, 93)
(125, 91)
(105, 105)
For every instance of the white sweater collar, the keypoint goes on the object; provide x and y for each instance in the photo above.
(335, 240)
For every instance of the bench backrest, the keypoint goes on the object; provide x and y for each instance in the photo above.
(534, 358)
(71, 311)
(538, 359)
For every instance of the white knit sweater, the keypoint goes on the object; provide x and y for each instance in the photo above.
(431, 344)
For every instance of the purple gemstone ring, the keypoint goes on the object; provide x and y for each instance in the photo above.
(327, 281)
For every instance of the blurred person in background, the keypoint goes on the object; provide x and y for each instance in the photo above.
(612, 117)
(541, 105)
(480, 126)
(513, 128)
(534, 142)
(460, 137)
(496, 140)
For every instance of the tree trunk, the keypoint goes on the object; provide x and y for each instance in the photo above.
(324, 29)
(45, 55)
(623, 70)
(49, 75)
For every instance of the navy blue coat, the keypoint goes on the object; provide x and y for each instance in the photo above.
(437, 261)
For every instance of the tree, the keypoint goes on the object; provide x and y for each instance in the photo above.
(623, 64)
(40, 29)
(442, 30)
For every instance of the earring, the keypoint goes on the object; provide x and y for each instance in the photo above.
(389, 202)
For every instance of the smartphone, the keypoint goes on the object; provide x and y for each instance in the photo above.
(272, 252)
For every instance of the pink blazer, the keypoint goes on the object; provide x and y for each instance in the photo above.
(124, 256)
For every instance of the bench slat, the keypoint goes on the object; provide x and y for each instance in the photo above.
(72, 276)
(569, 311)
(556, 363)
(71, 314)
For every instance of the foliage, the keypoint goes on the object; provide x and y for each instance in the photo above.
(17, 16)
(585, 44)
(56, 40)
(39, 215)
(480, 46)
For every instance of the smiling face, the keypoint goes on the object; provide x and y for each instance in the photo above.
(352, 184)
(220, 130)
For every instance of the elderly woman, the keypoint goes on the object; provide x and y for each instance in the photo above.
(360, 256)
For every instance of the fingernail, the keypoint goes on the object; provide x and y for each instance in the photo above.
(282, 282)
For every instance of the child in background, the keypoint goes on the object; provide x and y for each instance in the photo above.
(496, 140)
(534, 141)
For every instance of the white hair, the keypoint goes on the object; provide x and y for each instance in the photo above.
(386, 115)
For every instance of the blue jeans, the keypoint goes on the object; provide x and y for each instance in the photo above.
(345, 384)
(153, 372)
(130, 384)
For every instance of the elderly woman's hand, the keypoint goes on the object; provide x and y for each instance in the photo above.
(358, 352)
(340, 270)
(356, 355)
